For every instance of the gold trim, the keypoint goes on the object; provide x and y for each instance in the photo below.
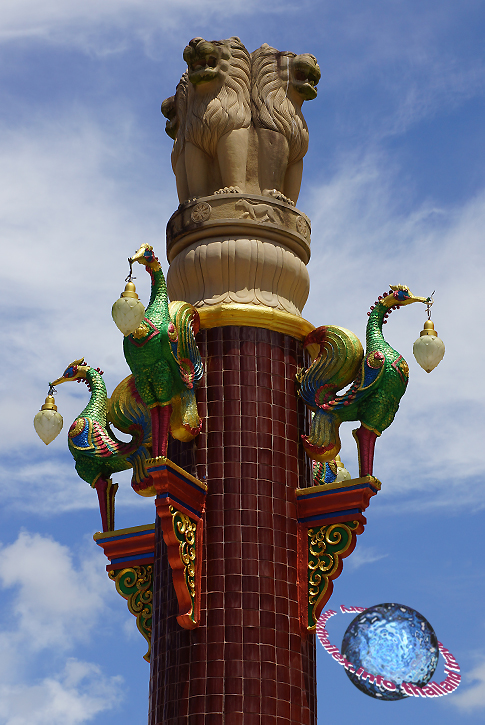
(135, 584)
(223, 315)
(50, 403)
(120, 532)
(339, 484)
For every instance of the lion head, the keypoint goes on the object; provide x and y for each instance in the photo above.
(280, 82)
(174, 108)
(218, 91)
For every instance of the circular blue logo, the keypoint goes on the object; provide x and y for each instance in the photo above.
(390, 643)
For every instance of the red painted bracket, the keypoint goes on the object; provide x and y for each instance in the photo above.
(128, 547)
(330, 517)
(180, 503)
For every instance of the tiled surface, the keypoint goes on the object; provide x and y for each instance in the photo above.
(247, 664)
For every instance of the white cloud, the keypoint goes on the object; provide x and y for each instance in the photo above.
(473, 697)
(110, 26)
(71, 697)
(56, 603)
(50, 605)
(363, 555)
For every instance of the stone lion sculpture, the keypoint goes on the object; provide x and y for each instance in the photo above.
(175, 110)
(280, 82)
(209, 117)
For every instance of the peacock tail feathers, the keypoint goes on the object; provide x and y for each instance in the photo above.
(324, 472)
(186, 321)
(127, 411)
(185, 422)
(323, 443)
(335, 366)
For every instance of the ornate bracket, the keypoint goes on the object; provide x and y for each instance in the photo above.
(131, 554)
(136, 586)
(329, 520)
(180, 504)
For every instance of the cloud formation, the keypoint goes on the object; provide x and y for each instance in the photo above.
(49, 606)
(71, 697)
(472, 698)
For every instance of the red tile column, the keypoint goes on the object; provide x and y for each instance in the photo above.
(249, 662)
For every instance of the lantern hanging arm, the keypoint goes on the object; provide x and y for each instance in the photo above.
(429, 303)
(130, 276)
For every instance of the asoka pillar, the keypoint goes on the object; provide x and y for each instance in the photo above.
(250, 660)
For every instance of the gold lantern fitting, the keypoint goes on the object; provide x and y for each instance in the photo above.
(128, 311)
(48, 422)
(428, 348)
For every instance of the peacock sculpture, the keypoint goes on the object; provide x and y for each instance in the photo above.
(165, 361)
(97, 452)
(379, 379)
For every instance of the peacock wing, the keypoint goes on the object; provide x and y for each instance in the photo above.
(80, 435)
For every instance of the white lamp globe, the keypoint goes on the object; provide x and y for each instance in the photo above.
(128, 311)
(428, 348)
(48, 422)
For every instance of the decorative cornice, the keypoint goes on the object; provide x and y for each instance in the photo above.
(223, 315)
(128, 547)
(156, 467)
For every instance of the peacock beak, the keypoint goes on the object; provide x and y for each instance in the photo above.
(59, 381)
(139, 255)
(412, 298)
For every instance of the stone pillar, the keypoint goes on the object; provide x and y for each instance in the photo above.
(250, 661)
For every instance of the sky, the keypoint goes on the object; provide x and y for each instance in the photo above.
(394, 183)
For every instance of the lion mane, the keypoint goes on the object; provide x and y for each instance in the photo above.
(271, 106)
(209, 116)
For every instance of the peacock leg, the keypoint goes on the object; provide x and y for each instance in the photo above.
(155, 430)
(366, 440)
(160, 427)
(106, 491)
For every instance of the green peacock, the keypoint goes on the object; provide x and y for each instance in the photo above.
(165, 361)
(379, 379)
(94, 447)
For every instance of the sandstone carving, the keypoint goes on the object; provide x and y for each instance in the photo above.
(236, 120)
(210, 116)
(259, 212)
(201, 212)
(280, 82)
(175, 110)
(239, 142)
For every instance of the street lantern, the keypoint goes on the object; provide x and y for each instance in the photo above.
(428, 348)
(128, 310)
(48, 422)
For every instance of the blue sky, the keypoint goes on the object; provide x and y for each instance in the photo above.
(394, 183)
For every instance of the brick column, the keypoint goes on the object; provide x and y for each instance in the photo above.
(249, 662)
